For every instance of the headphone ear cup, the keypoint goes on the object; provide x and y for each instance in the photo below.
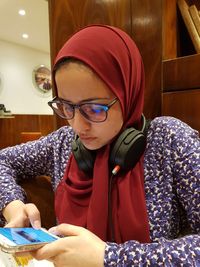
(125, 152)
(84, 158)
(128, 149)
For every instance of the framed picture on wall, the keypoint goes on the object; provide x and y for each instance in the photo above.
(42, 78)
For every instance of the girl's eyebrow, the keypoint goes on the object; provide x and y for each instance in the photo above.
(86, 100)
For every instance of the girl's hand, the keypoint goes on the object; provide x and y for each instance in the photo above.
(80, 248)
(18, 214)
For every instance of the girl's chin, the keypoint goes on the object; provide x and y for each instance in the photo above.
(91, 146)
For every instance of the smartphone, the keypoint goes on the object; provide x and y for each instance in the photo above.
(24, 239)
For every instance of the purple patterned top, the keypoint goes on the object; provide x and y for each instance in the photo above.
(172, 187)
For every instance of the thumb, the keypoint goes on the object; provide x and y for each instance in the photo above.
(66, 230)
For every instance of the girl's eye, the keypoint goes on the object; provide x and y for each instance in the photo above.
(91, 108)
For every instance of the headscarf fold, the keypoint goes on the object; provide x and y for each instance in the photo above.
(81, 199)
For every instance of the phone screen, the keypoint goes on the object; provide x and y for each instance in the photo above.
(26, 236)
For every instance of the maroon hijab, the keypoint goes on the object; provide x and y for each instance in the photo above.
(83, 200)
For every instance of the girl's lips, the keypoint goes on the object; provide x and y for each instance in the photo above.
(87, 138)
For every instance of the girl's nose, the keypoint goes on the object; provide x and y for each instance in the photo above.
(79, 123)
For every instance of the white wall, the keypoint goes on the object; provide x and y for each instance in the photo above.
(17, 90)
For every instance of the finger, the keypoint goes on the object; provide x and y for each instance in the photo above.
(33, 215)
(67, 230)
(49, 251)
(12, 225)
(18, 222)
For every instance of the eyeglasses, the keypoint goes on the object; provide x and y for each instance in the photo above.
(91, 111)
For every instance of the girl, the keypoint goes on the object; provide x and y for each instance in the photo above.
(128, 190)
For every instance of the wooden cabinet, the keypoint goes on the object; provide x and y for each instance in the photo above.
(181, 68)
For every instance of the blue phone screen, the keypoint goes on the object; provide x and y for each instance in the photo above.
(26, 236)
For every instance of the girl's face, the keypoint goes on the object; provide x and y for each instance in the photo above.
(77, 83)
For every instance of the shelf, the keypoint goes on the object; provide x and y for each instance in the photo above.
(7, 117)
(176, 38)
(181, 73)
(183, 105)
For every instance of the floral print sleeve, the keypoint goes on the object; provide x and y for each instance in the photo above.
(46, 156)
(172, 187)
(169, 253)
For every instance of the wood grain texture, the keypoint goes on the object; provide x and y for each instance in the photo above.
(67, 17)
(7, 130)
(183, 105)
(29, 136)
(181, 73)
(195, 17)
(11, 128)
(169, 29)
(146, 19)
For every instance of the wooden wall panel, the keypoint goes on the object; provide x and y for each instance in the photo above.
(169, 29)
(47, 124)
(68, 16)
(11, 128)
(146, 19)
(183, 105)
(7, 132)
(181, 73)
(27, 123)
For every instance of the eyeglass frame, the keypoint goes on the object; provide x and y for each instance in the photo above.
(78, 106)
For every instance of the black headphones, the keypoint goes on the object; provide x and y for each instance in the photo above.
(125, 152)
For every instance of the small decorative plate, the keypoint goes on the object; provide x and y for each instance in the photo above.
(42, 78)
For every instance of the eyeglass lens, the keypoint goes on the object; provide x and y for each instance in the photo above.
(93, 112)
